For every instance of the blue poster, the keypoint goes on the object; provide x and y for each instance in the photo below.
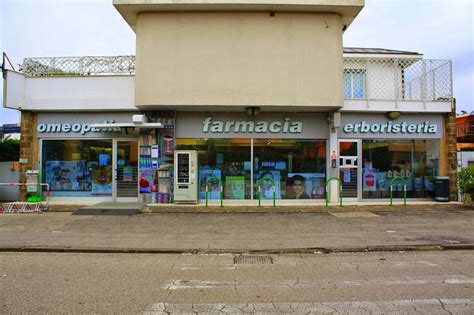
(214, 190)
(103, 159)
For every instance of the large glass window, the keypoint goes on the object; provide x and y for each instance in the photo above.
(296, 167)
(416, 161)
(227, 160)
(77, 168)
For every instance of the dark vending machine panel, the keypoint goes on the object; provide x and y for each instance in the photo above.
(183, 168)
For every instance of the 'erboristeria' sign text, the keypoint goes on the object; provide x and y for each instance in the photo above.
(210, 125)
(391, 128)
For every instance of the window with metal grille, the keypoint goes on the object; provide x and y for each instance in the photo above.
(354, 83)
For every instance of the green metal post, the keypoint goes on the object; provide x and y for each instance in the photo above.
(221, 189)
(391, 194)
(340, 196)
(274, 193)
(259, 197)
(222, 196)
(404, 195)
(404, 190)
(340, 190)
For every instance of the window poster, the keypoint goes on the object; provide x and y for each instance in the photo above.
(127, 174)
(214, 189)
(146, 181)
(266, 185)
(346, 172)
(305, 185)
(370, 181)
(101, 180)
(234, 187)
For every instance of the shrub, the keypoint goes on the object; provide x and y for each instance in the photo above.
(466, 180)
(9, 149)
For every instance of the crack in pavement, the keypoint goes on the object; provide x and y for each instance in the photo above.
(418, 306)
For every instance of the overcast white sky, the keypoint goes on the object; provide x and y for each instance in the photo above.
(440, 29)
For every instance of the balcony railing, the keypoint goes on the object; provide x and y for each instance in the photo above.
(364, 78)
(78, 66)
(397, 79)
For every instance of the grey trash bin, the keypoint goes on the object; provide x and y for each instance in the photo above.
(441, 188)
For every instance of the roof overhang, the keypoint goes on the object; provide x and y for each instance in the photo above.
(347, 9)
(383, 56)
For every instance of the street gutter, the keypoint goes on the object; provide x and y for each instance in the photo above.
(306, 250)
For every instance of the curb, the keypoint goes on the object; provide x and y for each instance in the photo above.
(309, 250)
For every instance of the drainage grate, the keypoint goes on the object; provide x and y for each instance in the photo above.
(252, 260)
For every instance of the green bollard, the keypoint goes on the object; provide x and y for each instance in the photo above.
(404, 195)
(340, 197)
(259, 197)
(222, 196)
(207, 190)
(326, 198)
(274, 194)
(391, 194)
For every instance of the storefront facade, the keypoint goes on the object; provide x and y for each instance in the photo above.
(264, 90)
(83, 163)
(80, 162)
(376, 152)
(240, 150)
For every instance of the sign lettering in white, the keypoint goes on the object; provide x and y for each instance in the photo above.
(286, 126)
(81, 128)
(390, 127)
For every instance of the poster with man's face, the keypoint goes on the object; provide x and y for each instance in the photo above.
(305, 185)
(267, 185)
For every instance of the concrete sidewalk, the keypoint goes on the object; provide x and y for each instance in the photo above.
(242, 232)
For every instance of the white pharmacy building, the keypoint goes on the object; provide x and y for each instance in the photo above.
(237, 100)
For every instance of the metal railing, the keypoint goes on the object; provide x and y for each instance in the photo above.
(397, 79)
(364, 78)
(78, 66)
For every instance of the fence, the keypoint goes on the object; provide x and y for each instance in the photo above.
(78, 66)
(397, 79)
(364, 78)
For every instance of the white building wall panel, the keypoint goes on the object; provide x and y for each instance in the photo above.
(99, 93)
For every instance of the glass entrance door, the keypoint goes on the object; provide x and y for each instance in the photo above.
(349, 168)
(126, 170)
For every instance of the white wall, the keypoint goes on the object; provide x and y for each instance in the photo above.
(8, 193)
(464, 157)
(14, 90)
(90, 93)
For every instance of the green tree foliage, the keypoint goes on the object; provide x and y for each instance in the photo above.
(9, 149)
(466, 180)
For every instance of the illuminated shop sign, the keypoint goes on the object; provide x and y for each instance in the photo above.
(81, 128)
(391, 128)
(209, 125)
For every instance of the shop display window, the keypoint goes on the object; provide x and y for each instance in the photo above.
(225, 159)
(296, 167)
(77, 168)
(416, 161)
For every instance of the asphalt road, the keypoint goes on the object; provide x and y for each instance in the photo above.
(406, 282)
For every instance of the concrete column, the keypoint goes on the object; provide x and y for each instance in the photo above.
(28, 147)
(451, 151)
(333, 172)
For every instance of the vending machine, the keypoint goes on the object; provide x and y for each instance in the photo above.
(185, 176)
